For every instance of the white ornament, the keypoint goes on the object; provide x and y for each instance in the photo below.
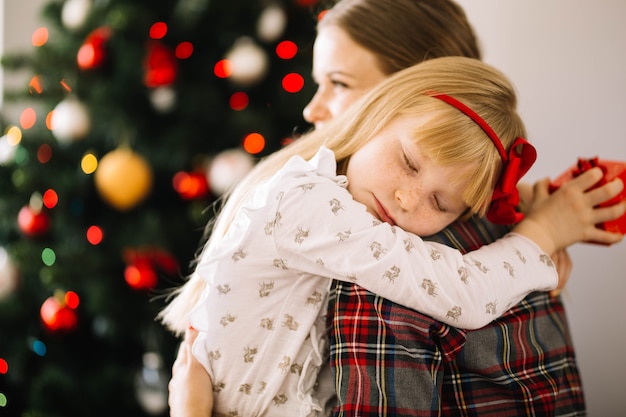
(151, 384)
(70, 121)
(7, 151)
(163, 99)
(271, 23)
(249, 63)
(228, 168)
(8, 274)
(74, 13)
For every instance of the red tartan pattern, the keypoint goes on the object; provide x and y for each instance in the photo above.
(388, 360)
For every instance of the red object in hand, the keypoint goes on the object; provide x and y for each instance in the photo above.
(612, 170)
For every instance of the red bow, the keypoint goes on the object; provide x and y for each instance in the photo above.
(505, 198)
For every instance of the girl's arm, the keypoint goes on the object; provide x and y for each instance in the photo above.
(320, 229)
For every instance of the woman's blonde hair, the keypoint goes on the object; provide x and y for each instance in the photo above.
(450, 138)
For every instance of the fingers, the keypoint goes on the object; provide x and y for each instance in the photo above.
(606, 192)
(587, 179)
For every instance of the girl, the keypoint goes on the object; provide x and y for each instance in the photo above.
(347, 202)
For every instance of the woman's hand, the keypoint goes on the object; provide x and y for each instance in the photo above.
(570, 214)
(190, 389)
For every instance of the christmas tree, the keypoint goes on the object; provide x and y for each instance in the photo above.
(136, 116)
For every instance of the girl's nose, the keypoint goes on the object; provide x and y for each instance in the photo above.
(316, 111)
(408, 198)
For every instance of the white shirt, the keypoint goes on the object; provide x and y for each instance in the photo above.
(262, 315)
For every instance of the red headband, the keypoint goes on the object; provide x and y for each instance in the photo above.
(515, 163)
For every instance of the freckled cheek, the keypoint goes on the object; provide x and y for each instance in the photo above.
(425, 223)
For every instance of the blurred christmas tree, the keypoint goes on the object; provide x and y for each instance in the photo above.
(136, 116)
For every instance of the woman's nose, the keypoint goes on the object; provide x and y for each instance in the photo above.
(316, 111)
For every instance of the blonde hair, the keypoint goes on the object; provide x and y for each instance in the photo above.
(450, 138)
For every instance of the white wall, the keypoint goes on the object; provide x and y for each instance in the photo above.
(567, 59)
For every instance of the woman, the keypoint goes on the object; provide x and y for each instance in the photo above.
(521, 364)
(360, 42)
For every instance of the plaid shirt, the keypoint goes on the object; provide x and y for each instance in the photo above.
(388, 360)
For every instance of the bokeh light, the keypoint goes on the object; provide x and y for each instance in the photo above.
(14, 135)
(44, 153)
(94, 235)
(293, 82)
(65, 86)
(4, 366)
(49, 119)
(286, 49)
(89, 163)
(3, 400)
(50, 198)
(48, 257)
(239, 101)
(184, 50)
(158, 30)
(40, 37)
(39, 348)
(35, 85)
(72, 300)
(28, 117)
(223, 68)
(254, 143)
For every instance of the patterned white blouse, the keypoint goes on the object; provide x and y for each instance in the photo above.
(262, 315)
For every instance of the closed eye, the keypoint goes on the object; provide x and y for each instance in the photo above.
(340, 84)
(439, 205)
(408, 163)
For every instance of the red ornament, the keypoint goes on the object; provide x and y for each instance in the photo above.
(93, 52)
(191, 185)
(33, 222)
(141, 276)
(160, 65)
(143, 266)
(59, 315)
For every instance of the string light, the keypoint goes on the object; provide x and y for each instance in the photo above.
(239, 101)
(40, 37)
(50, 199)
(48, 257)
(293, 82)
(254, 143)
(89, 163)
(94, 235)
(184, 50)
(158, 30)
(286, 49)
(223, 68)
(35, 85)
(44, 153)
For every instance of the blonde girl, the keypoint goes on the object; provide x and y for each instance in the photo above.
(347, 202)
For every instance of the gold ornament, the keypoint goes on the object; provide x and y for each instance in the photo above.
(123, 178)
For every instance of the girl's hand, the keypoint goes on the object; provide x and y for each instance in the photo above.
(570, 214)
(190, 389)
(561, 258)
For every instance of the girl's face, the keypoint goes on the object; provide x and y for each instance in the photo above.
(343, 70)
(401, 186)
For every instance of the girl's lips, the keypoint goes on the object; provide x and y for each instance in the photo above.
(384, 216)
